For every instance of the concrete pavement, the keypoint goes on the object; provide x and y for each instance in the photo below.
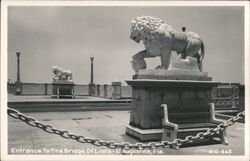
(105, 125)
(91, 117)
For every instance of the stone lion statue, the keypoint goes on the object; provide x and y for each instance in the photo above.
(61, 74)
(160, 40)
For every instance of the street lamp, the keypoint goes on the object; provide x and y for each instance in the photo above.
(91, 84)
(18, 83)
(92, 72)
(18, 66)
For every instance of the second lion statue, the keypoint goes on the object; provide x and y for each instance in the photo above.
(61, 74)
(160, 39)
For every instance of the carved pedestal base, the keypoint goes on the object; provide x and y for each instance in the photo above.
(144, 134)
(63, 89)
(148, 95)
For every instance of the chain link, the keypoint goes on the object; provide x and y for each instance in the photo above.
(124, 145)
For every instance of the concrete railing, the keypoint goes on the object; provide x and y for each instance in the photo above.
(114, 91)
(117, 91)
(11, 88)
(34, 89)
(81, 90)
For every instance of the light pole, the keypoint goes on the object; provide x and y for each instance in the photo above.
(91, 84)
(92, 72)
(18, 83)
(18, 66)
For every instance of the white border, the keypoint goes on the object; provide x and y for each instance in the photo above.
(4, 29)
(124, 3)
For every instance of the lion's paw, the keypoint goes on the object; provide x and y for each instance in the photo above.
(138, 64)
(160, 67)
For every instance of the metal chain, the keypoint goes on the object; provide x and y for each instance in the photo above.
(123, 145)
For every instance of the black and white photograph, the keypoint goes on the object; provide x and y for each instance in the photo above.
(124, 80)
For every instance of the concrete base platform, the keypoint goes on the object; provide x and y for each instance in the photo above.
(144, 134)
(63, 89)
(161, 74)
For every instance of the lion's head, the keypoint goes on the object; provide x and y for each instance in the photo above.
(143, 27)
(56, 70)
(148, 29)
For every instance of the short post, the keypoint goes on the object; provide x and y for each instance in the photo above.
(98, 86)
(18, 83)
(241, 104)
(116, 94)
(73, 93)
(105, 90)
(57, 93)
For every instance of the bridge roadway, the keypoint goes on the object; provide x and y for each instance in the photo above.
(105, 125)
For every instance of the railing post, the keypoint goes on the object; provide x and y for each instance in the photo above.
(241, 100)
(105, 90)
(18, 88)
(98, 89)
(46, 89)
(92, 89)
(116, 94)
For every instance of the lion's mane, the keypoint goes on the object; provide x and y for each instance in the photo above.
(147, 26)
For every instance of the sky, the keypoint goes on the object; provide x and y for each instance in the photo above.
(68, 36)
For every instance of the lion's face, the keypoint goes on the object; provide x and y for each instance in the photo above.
(136, 36)
(151, 31)
(55, 69)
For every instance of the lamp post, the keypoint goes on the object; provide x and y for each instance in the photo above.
(91, 84)
(18, 66)
(18, 82)
(92, 72)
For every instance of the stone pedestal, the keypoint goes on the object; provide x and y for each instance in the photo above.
(116, 94)
(92, 89)
(105, 90)
(18, 88)
(98, 90)
(63, 89)
(148, 95)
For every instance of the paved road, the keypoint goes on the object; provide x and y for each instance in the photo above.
(106, 125)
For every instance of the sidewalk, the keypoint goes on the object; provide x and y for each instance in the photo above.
(105, 125)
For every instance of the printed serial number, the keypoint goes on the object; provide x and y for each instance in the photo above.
(220, 151)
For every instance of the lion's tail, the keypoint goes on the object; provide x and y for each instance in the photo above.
(202, 54)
